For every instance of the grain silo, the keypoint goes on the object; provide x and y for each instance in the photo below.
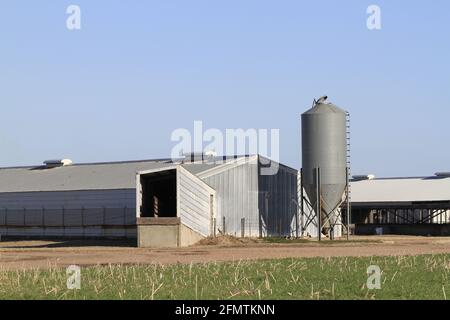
(324, 162)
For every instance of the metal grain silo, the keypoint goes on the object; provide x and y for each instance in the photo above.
(324, 147)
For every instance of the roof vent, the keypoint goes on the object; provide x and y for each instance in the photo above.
(442, 174)
(363, 177)
(199, 156)
(57, 163)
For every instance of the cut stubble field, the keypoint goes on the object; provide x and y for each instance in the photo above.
(411, 277)
(411, 268)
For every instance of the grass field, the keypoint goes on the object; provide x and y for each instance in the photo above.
(412, 277)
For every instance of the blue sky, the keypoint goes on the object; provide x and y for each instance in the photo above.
(137, 70)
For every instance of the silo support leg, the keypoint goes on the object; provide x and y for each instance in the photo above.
(318, 205)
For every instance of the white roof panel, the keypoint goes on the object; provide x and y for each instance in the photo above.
(401, 190)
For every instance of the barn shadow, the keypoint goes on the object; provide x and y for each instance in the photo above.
(34, 243)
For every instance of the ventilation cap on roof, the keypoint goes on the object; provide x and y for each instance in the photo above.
(442, 174)
(210, 153)
(199, 156)
(57, 163)
(364, 177)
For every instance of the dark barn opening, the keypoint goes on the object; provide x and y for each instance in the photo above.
(159, 194)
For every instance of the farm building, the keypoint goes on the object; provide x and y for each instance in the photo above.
(160, 202)
(409, 205)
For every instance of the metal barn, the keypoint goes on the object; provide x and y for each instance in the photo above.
(206, 197)
(408, 205)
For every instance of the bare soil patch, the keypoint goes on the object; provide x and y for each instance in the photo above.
(45, 254)
(225, 241)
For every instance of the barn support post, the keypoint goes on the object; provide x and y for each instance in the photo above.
(6, 217)
(318, 205)
(279, 227)
(82, 219)
(302, 206)
(224, 230)
(63, 217)
(296, 219)
(43, 219)
(260, 223)
(266, 213)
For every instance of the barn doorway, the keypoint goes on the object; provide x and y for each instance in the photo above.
(159, 194)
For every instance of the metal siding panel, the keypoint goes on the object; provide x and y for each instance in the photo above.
(195, 194)
(72, 217)
(130, 216)
(53, 217)
(193, 203)
(93, 217)
(234, 188)
(69, 199)
(194, 185)
(194, 200)
(115, 216)
(3, 213)
(217, 182)
(68, 213)
(115, 232)
(234, 207)
(283, 189)
(74, 232)
(239, 199)
(69, 232)
(15, 217)
(252, 219)
(34, 217)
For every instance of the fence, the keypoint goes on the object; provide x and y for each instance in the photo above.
(83, 222)
(256, 228)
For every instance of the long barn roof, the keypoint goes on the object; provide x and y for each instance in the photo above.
(416, 189)
(89, 176)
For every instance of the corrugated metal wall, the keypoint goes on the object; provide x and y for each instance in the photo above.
(93, 213)
(69, 199)
(264, 205)
(194, 201)
(278, 202)
(236, 198)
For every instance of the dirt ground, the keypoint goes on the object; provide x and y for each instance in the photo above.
(46, 254)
